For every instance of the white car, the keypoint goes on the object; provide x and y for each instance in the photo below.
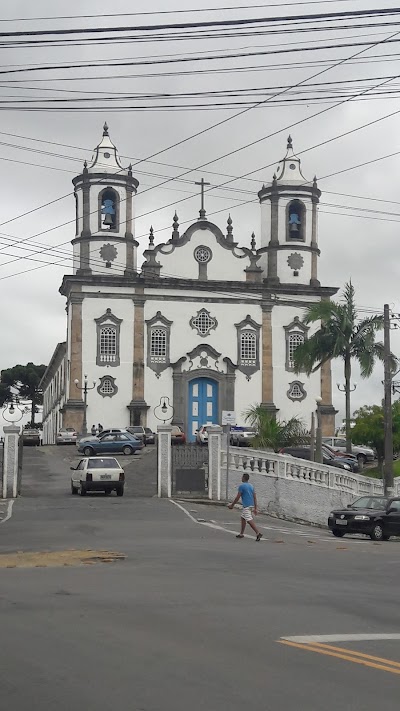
(66, 435)
(202, 435)
(98, 474)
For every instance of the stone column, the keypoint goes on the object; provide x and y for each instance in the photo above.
(314, 244)
(267, 365)
(73, 408)
(214, 462)
(138, 406)
(131, 244)
(164, 461)
(274, 242)
(10, 462)
(84, 243)
(327, 410)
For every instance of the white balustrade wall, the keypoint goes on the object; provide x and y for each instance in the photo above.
(294, 489)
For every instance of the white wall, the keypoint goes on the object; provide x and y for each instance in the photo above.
(109, 411)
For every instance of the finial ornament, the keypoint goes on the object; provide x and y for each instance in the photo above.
(289, 142)
(315, 181)
(175, 226)
(151, 237)
(130, 169)
(253, 241)
(85, 168)
(105, 129)
(229, 229)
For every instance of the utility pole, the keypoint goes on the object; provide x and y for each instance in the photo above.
(387, 407)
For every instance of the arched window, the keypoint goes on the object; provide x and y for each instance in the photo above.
(158, 340)
(295, 334)
(248, 348)
(108, 344)
(108, 210)
(295, 221)
(158, 345)
(108, 339)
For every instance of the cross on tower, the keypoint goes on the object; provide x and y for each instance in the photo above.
(202, 183)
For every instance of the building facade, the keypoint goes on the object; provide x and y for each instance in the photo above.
(209, 322)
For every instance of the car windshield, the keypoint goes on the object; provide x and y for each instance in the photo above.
(100, 463)
(136, 429)
(370, 502)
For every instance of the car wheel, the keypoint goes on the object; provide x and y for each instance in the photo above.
(88, 451)
(120, 491)
(74, 491)
(377, 533)
(127, 450)
(338, 533)
(83, 491)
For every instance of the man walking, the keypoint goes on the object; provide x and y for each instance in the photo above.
(249, 502)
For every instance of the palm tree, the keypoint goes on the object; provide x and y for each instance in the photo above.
(272, 434)
(344, 335)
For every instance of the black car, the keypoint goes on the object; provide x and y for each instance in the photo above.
(305, 453)
(374, 516)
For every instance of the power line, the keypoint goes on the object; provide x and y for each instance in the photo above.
(206, 24)
(172, 12)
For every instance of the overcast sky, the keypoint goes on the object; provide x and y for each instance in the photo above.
(354, 244)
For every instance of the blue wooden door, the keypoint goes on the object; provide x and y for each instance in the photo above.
(203, 405)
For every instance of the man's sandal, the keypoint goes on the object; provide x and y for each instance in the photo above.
(240, 535)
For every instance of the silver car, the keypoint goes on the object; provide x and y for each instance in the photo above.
(66, 435)
(363, 454)
(242, 436)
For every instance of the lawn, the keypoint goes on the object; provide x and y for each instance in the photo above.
(373, 472)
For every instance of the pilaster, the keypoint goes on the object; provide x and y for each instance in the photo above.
(267, 363)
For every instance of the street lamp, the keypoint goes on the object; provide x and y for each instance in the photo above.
(85, 389)
(9, 408)
(165, 410)
(318, 434)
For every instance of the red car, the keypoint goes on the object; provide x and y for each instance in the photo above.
(177, 435)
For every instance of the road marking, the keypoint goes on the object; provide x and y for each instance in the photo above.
(206, 523)
(347, 655)
(341, 638)
(9, 511)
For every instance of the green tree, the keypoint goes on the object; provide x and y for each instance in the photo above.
(342, 334)
(369, 429)
(23, 381)
(272, 434)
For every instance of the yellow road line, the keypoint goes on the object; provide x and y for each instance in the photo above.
(345, 655)
(357, 654)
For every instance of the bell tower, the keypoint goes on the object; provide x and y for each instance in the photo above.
(289, 224)
(104, 192)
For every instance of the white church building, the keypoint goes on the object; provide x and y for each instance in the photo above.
(208, 322)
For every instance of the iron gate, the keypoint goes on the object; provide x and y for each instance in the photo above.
(189, 470)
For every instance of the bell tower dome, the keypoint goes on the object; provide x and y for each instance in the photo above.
(289, 224)
(104, 192)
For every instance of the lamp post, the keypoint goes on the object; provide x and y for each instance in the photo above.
(318, 434)
(165, 410)
(85, 389)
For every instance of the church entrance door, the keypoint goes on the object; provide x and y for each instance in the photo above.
(203, 405)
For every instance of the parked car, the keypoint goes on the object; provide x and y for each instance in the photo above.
(66, 435)
(150, 436)
(177, 435)
(349, 459)
(98, 474)
(305, 453)
(31, 437)
(242, 436)
(90, 437)
(202, 435)
(114, 442)
(374, 516)
(138, 432)
(364, 454)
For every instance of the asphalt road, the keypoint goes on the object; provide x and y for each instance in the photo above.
(192, 618)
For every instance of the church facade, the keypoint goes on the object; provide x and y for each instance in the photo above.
(209, 322)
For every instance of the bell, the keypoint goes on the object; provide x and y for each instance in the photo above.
(294, 227)
(108, 219)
